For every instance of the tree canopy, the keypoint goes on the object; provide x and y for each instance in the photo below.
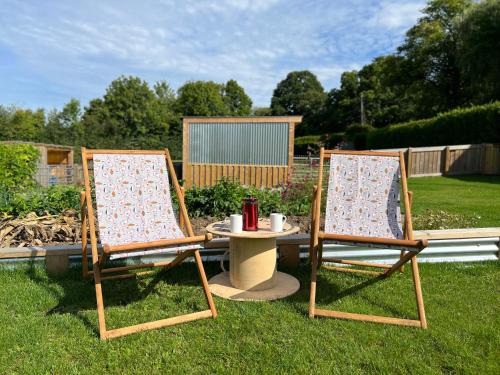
(478, 48)
(130, 114)
(449, 58)
(207, 98)
(300, 93)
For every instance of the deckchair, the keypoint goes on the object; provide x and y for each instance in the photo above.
(363, 208)
(135, 218)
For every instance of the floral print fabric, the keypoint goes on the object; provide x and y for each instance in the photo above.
(134, 203)
(363, 196)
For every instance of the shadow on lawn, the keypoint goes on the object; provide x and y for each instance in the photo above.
(78, 294)
(328, 291)
(492, 179)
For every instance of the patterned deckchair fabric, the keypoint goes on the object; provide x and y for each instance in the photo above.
(363, 209)
(363, 196)
(134, 203)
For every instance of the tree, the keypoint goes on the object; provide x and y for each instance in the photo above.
(383, 91)
(262, 111)
(429, 52)
(130, 115)
(238, 103)
(21, 124)
(422, 79)
(201, 98)
(478, 46)
(300, 93)
(207, 98)
(65, 127)
(342, 106)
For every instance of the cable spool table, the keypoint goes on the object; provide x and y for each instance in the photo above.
(252, 272)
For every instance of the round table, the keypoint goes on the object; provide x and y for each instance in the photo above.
(252, 272)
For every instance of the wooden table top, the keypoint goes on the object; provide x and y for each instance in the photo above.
(221, 228)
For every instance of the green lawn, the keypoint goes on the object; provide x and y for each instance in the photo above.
(49, 325)
(467, 195)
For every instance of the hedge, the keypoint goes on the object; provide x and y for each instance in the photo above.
(302, 144)
(18, 164)
(478, 124)
(314, 142)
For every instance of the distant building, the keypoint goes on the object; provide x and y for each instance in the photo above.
(55, 165)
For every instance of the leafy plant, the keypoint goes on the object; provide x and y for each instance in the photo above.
(18, 164)
(226, 197)
(41, 200)
(296, 197)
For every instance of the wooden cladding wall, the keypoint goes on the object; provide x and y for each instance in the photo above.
(257, 175)
(254, 151)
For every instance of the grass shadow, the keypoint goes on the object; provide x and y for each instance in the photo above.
(328, 291)
(474, 178)
(75, 295)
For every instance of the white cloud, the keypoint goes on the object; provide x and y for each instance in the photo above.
(81, 47)
(397, 15)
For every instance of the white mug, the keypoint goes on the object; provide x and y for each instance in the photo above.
(236, 223)
(277, 222)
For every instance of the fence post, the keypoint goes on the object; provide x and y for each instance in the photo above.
(487, 149)
(409, 163)
(446, 160)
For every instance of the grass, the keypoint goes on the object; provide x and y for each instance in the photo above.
(49, 325)
(466, 195)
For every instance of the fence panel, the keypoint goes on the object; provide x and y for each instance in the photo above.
(58, 174)
(203, 175)
(425, 161)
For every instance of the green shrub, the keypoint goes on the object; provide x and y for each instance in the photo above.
(478, 124)
(438, 219)
(333, 139)
(305, 143)
(225, 198)
(52, 200)
(296, 198)
(18, 164)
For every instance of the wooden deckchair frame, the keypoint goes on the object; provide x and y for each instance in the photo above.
(99, 259)
(409, 243)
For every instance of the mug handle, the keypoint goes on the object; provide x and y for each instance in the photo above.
(284, 219)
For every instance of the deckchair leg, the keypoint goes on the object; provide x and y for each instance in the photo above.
(100, 301)
(314, 271)
(418, 293)
(85, 262)
(204, 281)
(113, 333)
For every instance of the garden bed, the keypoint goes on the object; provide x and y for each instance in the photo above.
(439, 203)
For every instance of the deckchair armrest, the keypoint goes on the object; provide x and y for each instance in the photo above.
(417, 244)
(153, 244)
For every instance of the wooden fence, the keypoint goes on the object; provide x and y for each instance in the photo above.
(421, 161)
(453, 160)
(427, 161)
(256, 175)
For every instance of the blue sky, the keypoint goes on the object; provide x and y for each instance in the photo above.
(51, 51)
